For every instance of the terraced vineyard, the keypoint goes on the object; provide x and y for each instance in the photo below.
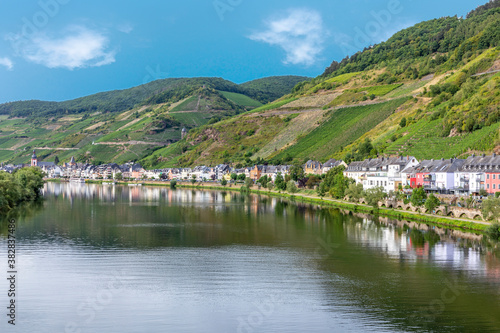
(342, 128)
(242, 99)
(422, 141)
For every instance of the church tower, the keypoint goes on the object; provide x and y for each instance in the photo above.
(34, 160)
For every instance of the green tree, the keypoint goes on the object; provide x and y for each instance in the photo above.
(173, 184)
(402, 123)
(354, 192)
(248, 182)
(263, 181)
(322, 189)
(234, 176)
(56, 160)
(10, 191)
(483, 192)
(223, 182)
(118, 176)
(242, 176)
(270, 186)
(193, 179)
(365, 148)
(312, 181)
(31, 182)
(418, 197)
(296, 172)
(291, 187)
(374, 195)
(334, 183)
(432, 202)
(491, 208)
(340, 184)
(279, 182)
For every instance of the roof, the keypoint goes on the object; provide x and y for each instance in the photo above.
(313, 164)
(436, 166)
(377, 163)
(481, 163)
(46, 164)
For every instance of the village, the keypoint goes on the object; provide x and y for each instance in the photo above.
(476, 175)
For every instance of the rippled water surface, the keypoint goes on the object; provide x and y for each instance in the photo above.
(148, 259)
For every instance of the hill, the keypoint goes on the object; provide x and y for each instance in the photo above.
(124, 125)
(432, 91)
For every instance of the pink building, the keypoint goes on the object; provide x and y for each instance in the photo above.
(493, 181)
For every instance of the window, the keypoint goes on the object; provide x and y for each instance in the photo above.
(488, 186)
(494, 186)
(494, 176)
(488, 176)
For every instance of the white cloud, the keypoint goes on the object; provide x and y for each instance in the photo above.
(300, 33)
(79, 48)
(126, 28)
(7, 63)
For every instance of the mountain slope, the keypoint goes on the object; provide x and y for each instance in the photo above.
(121, 126)
(432, 91)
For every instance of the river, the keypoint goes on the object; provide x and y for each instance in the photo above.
(103, 258)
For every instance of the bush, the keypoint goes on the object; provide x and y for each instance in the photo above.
(493, 231)
(173, 184)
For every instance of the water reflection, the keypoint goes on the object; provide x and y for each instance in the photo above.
(206, 261)
(396, 239)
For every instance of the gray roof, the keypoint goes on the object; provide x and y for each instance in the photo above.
(46, 164)
(481, 163)
(313, 164)
(379, 163)
(436, 166)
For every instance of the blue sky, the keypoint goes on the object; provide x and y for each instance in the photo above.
(63, 49)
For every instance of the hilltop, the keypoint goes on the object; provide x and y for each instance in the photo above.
(127, 125)
(431, 91)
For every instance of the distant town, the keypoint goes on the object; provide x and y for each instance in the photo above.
(472, 176)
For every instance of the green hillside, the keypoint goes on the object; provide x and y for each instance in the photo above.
(432, 91)
(122, 126)
(343, 127)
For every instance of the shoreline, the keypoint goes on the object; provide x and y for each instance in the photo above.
(467, 225)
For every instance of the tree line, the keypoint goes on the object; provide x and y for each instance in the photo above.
(21, 186)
